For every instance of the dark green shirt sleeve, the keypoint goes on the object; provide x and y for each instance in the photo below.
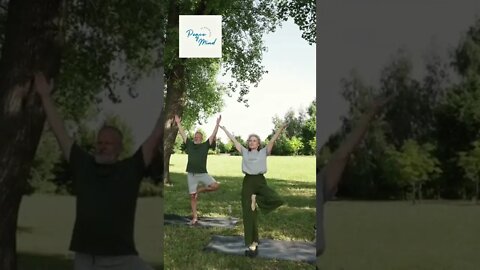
(188, 144)
(78, 157)
(138, 163)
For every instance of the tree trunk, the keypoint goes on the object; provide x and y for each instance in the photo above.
(414, 193)
(476, 191)
(32, 43)
(420, 196)
(175, 81)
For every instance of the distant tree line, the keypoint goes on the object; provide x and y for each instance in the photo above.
(299, 138)
(426, 144)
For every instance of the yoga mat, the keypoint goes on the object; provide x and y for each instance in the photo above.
(223, 222)
(267, 248)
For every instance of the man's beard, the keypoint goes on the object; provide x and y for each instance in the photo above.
(105, 159)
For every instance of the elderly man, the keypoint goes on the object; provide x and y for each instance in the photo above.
(197, 151)
(106, 191)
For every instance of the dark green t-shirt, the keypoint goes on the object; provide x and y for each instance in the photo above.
(197, 156)
(106, 203)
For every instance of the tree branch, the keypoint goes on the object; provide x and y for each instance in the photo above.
(202, 8)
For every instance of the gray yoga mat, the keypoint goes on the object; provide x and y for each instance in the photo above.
(268, 248)
(223, 222)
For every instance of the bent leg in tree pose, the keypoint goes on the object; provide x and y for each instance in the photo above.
(197, 151)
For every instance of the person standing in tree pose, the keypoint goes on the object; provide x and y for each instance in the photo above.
(197, 151)
(330, 175)
(106, 191)
(254, 187)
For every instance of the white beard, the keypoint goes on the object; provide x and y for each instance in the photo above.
(105, 159)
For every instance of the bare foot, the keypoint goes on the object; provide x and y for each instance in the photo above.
(194, 221)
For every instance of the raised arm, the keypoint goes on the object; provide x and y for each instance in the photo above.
(238, 146)
(180, 129)
(44, 88)
(336, 165)
(151, 144)
(274, 138)
(212, 137)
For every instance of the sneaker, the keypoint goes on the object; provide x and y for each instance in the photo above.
(251, 252)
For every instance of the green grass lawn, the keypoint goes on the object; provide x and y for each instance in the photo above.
(45, 226)
(292, 177)
(434, 235)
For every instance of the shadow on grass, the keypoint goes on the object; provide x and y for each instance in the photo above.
(428, 202)
(29, 261)
(295, 184)
(295, 219)
(296, 194)
(298, 201)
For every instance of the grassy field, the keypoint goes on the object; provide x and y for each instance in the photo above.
(292, 177)
(46, 223)
(434, 235)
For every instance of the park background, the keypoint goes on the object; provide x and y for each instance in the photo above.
(117, 62)
(408, 197)
(280, 66)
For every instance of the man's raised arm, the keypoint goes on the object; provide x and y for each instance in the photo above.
(180, 128)
(335, 166)
(150, 146)
(212, 137)
(44, 88)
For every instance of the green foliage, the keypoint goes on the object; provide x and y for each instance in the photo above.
(99, 38)
(299, 138)
(204, 94)
(303, 14)
(323, 156)
(179, 146)
(295, 145)
(411, 115)
(469, 161)
(41, 173)
(414, 163)
(245, 22)
(223, 147)
(313, 143)
(229, 147)
(149, 189)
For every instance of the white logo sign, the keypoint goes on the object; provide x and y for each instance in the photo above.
(200, 36)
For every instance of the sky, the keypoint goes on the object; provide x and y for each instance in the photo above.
(365, 34)
(290, 83)
(352, 34)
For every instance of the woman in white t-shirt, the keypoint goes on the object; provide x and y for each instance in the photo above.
(254, 188)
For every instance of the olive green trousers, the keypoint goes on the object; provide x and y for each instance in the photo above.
(267, 200)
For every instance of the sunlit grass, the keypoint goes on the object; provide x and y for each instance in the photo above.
(433, 235)
(45, 226)
(292, 177)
